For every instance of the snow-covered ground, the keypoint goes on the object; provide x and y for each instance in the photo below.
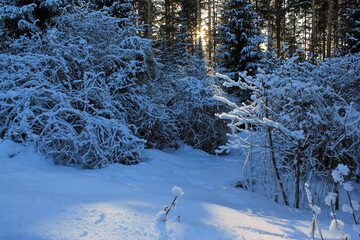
(39, 200)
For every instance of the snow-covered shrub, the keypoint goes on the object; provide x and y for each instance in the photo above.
(72, 89)
(302, 118)
(192, 106)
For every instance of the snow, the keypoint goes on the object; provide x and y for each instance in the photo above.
(177, 191)
(330, 198)
(316, 209)
(334, 228)
(337, 227)
(339, 173)
(347, 186)
(355, 205)
(40, 200)
(346, 208)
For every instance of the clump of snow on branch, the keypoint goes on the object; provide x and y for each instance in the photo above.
(330, 198)
(177, 191)
(162, 215)
(339, 173)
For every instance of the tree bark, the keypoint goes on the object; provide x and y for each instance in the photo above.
(273, 160)
(313, 31)
(199, 21)
(272, 157)
(148, 32)
(329, 30)
(209, 31)
(278, 19)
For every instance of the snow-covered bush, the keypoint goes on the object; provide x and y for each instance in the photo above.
(72, 89)
(190, 103)
(303, 118)
(185, 96)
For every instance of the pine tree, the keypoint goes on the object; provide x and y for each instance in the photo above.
(239, 37)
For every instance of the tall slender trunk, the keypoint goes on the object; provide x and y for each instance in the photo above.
(293, 44)
(272, 157)
(199, 21)
(148, 32)
(167, 19)
(329, 30)
(278, 19)
(214, 29)
(273, 160)
(336, 19)
(305, 30)
(209, 31)
(313, 30)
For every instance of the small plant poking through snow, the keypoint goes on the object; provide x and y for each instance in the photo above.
(162, 215)
(315, 210)
(339, 175)
(337, 225)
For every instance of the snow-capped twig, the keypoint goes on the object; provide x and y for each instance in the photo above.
(178, 192)
(315, 210)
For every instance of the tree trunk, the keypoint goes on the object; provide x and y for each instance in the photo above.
(199, 21)
(313, 31)
(167, 19)
(148, 32)
(272, 157)
(278, 19)
(336, 19)
(210, 31)
(305, 30)
(214, 29)
(329, 30)
(273, 160)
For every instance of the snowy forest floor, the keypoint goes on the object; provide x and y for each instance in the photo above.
(39, 200)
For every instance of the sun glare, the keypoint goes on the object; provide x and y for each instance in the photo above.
(201, 34)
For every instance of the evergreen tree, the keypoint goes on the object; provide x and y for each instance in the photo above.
(18, 17)
(352, 29)
(239, 37)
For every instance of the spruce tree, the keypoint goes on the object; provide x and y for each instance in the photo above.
(19, 17)
(239, 37)
(352, 29)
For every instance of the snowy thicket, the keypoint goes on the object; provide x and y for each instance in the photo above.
(303, 119)
(86, 88)
(193, 108)
(72, 89)
(187, 92)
